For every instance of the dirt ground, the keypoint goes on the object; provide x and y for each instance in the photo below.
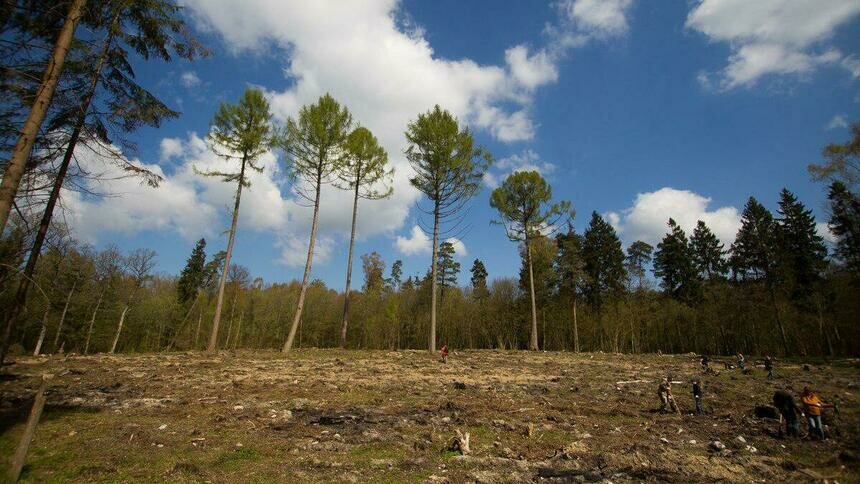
(332, 415)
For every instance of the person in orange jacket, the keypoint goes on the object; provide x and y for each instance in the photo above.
(443, 354)
(812, 406)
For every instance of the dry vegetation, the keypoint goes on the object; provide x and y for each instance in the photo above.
(323, 415)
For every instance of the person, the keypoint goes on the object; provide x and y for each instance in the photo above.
(784, 402)
(443, 352)
(768, 365)
(742, 362)
(664, 391)
(706, 363)
(698, 395)
(812, 406)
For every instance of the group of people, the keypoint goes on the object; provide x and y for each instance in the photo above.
(811, 404)
(811, 407)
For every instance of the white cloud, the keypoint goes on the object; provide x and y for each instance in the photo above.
(771, 36)
(852, 64)
(189, 79)
(170, 148)
(417, 243)
(533, 70)
(459, 246)
(600, 17)
(837, 122)
(527, 160)
(647, 218)
(823, 230)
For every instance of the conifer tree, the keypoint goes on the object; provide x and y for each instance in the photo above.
(239, 133)
(526, 211)
(316, 143)
(638, 256)
(479, 279)
(366, 173)
(708, 253)
(396, 274)
(752, 252)
(570, 268)
(447, 267)
(191, 277)
(802, 253)
(603, 261)
(448, 171)
(674, 264)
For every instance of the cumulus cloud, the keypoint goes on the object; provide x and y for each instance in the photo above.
(416, 243)
(771, 37)
(459, 246)
(647, 218)
(837, 122)
(170, 148)
(600, 17)
(527, 160)
(533, 70)
(823, 230)
(189, 79)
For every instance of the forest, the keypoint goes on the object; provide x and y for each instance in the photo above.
(68, 83)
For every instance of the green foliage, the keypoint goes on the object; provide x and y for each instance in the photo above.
(448, 166)
(845, 224)
(396, 274)
(544, 253)
(752, 252)
(241, 132)
(638, 256)
(523, 202)
(365, 167)
(842, 161)
(479, 279)
(569, 264)
(447, 266)
(373, 268)
(603, 261)
(316, 143)
(191, 277)
(674, 264)
(802, 255)
(708, 253)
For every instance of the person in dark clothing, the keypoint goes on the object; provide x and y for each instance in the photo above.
(698, 395)
(742, 362)
(706, 363)
(784, 402)
(768, 365)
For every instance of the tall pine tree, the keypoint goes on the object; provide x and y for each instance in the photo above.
(191, 278)
(845, 224)
(708, 253)
(674, 265)
(802, 254)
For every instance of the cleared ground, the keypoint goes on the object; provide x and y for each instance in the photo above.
(323, 415)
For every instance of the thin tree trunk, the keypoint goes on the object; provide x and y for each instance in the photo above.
(119, 327)
(92, 322)
(232, 313)
(42, 332)
(301, 303)
(181, 327)
(216, 320)
(778, 319)
(63, 316)
(575, 329)
(349, 265)
(238, 336)
(197, 333)
(533, 344)
(433, 288)
(17, 165)
(47, 214)
(20, 457)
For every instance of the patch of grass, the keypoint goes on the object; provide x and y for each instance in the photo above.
(237, 455)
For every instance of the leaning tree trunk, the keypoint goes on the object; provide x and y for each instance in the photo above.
(433, 283)
(301, 303)
(119, 327)
(42, 332)
(533, 344)
(349, 266)
(17, 164)
(216, 321)
(92, 322)
(48, 213)
(63, 316)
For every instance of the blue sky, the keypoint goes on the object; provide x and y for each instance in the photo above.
(638, 110)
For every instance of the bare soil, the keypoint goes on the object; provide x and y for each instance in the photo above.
(333, 415)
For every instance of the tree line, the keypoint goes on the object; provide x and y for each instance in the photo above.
(775, 289)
